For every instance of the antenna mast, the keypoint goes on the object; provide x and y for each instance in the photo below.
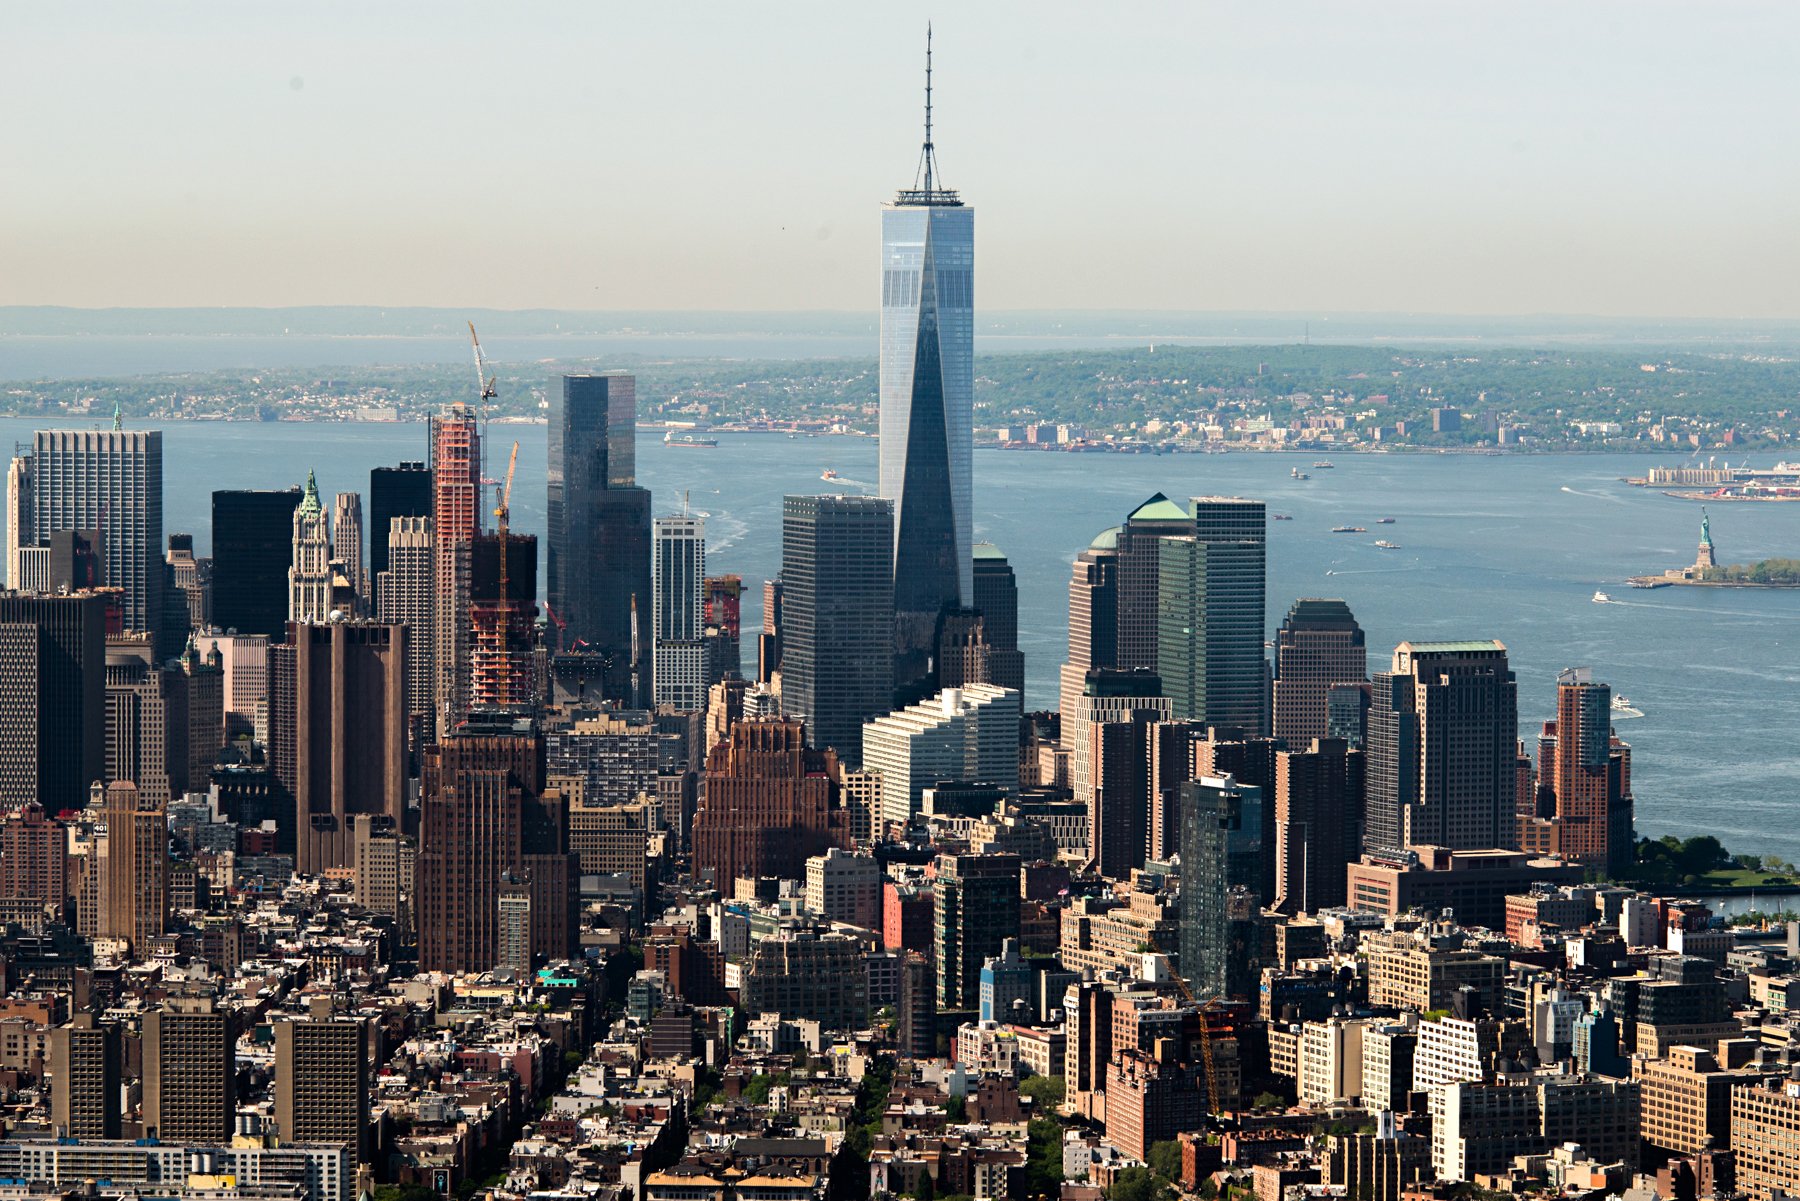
(930, 153)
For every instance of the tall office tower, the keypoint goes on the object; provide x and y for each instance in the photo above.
(1227, 751)
(455, 520)
(721, 610)
(322, 1082)
(996, 594)
(1140, 542)
(1318, 646)
(34, 857)
(347, 544)
(1590, 775)
(598, 564)
(111, 481)
(344, 751)
(190, 1072)
(1093, 622)
(309, 579)
(146, 720)
(503, 649)
(678, 574)
(86, 1063)
(192, 580)
(18, 517)
(203, 678)
(52, 698)
(244, 659)
(1221, 853)
(976, 909)
(490, 833)
(771, 803)
(963, 735)
(405, 596)
(1318, 824)
(253, 548)
(401, 491)
(137, 867)
(927, 402)
(1119, 799)
(1108, 694)
(837, 611)
(768, 643)
(1174, 760)
(1443, 733)
(1210, 615)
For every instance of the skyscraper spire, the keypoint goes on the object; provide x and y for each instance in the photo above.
(927, 181)
(930, 152)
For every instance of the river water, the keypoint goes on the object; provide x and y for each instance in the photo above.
(1492, 547)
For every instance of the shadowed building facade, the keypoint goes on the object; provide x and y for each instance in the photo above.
(52, 698)
(1443, 733)
(343, 750)
(1319, 645)
(597, 563)
(252, 552)
(771, 804)
(494, 868)
(837, 612)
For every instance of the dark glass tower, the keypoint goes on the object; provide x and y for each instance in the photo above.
(1221, 863)
(927, 400)
(1209, 615)
(52, 698)
(403, 491)
(997, 596)
(837, 616)
(253, 549)
(597, 564)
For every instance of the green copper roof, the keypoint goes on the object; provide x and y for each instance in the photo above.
(1464, 647)
(1107, 539)
(987, 550)
(309, 503)
(1159, 508)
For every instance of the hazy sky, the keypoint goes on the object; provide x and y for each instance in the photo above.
(1620, 158)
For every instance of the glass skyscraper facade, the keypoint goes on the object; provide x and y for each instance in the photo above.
(927, 409)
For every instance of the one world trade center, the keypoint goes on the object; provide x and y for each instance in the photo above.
(927, 402)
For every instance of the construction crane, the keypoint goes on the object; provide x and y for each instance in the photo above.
(1206, 1047)
(484, 386)
(502, 515)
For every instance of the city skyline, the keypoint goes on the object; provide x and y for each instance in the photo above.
(1491, 159)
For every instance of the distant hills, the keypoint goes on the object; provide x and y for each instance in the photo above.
(1135, 326)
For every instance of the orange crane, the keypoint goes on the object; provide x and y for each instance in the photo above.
(1206, 1047)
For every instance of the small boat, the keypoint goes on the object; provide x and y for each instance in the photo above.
(1348, 529)
(1384, 544)
(828, 474)
(1600, 598)
(1384, 521)
(1282, 517)
(1299, 474)
(1622, 704)
(1324, 465)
